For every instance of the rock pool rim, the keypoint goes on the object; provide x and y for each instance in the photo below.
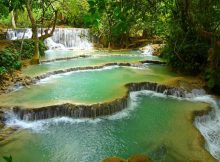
(27, 80)
(92, 110)
(35, 113)
(74, 69)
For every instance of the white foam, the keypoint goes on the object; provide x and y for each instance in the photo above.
(148, 50)
(52, 45)
(70, 38)
(209, 125)
(54, 76)
(40, 125)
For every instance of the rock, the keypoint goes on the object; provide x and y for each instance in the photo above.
(157, 49)
(139, 158)
(136, 158)
(114, 159)
(9, 82)
(94, 110)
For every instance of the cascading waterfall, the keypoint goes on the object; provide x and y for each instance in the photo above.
(209, 126)
(75, 38)
(14, 34)
(147, 50)
(71, 38)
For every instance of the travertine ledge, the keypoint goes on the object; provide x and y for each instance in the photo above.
(94, 110)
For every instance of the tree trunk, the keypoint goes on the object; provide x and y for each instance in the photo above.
(13, 19)
(127, 39)
(36, 56)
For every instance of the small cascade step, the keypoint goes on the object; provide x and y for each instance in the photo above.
(95, 110)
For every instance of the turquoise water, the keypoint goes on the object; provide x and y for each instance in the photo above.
(79, 62)
(97, 58)
(54, 54)
(84, 87)
(153, 126)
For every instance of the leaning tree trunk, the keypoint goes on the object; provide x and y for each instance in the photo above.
(48, 32)
(36, 56)
(13, 19)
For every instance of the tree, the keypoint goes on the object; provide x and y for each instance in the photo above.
(73, 11)
(13, 5)
(46, 5)
(115, 21)
(44, 20)
(4, 9)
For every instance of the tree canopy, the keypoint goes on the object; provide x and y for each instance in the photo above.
(189, 28)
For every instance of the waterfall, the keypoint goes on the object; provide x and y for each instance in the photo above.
(147, 50)
(209, 126)
(14, 34)
(75, 38)
(71, 38)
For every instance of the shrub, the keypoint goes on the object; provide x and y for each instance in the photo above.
(212, 76)
(28, 48)
(2, 70)
(9, 60)
(186, 52)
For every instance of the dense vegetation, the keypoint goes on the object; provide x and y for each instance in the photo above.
(11, 56)
(189, 28)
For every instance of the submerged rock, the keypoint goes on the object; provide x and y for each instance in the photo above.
(139, 158)
(136, 158)
(114, 159)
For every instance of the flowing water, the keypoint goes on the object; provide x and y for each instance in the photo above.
(72, 38)
(94, 60)
(154, 125)
(90, 86)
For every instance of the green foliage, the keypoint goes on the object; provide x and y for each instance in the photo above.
(186, 52)
(5, 21)
(192, 33)
(28, 48)
(9, 60)
(4, 10)
(72, 12)
(212, 76)
(118, 23)
(2, 70)
(10, 57)
(14, 5)
(115, 22)
(22, 20)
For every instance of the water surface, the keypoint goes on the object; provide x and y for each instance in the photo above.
(84, 87)
(159, 127)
